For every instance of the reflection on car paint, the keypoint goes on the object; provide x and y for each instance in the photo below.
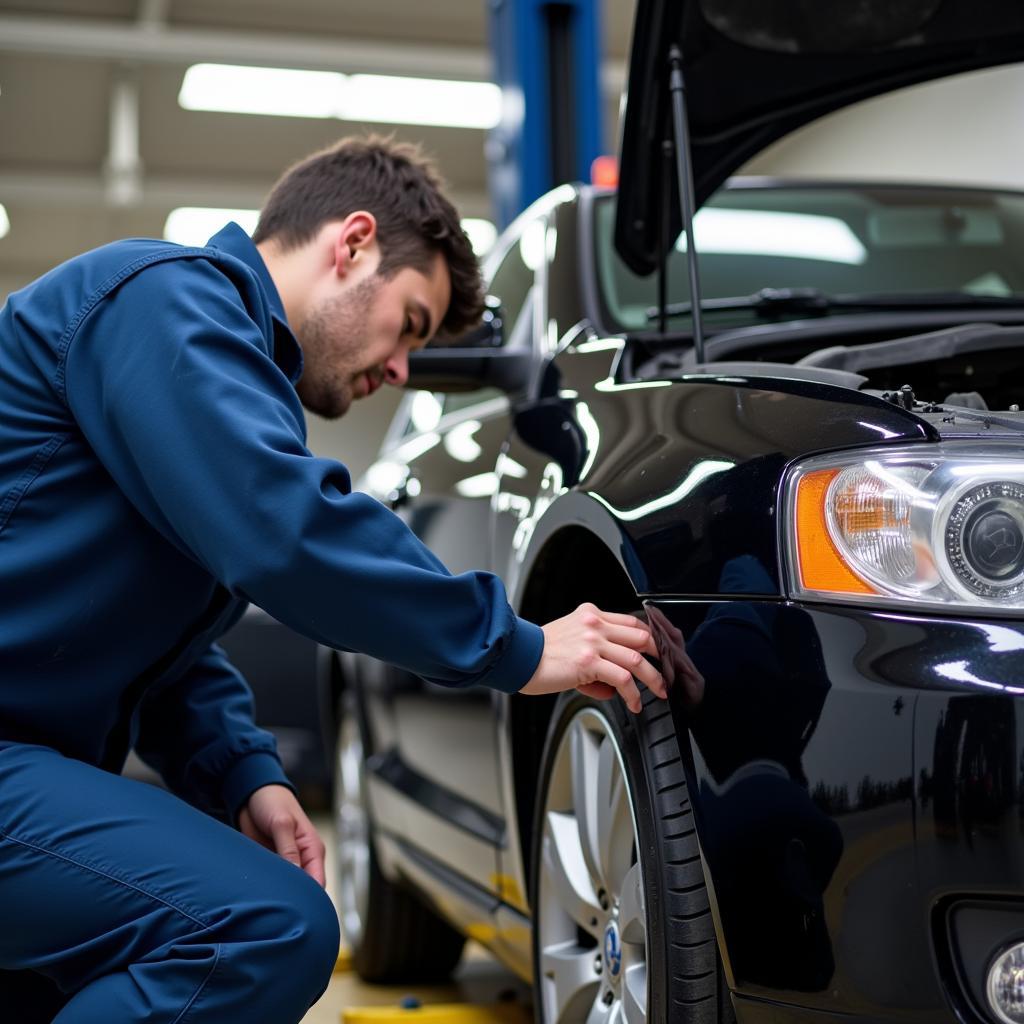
(772, 851)
(822, 738)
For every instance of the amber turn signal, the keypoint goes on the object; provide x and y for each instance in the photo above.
(820, 564)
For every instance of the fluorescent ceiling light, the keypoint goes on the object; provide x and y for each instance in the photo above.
(773, 233)
(385, 99)
(431, 101)
(243, 90)
(193, 225)
(5, 223)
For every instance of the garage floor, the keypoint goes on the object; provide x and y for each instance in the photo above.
(480, 978)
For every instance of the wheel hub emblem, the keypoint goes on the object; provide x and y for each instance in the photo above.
(612, 949)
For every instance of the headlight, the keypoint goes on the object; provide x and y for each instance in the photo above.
(937, 525)
(1005, 987)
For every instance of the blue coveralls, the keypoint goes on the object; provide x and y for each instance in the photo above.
(153, 479)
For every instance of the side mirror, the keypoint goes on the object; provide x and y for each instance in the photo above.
(477, 360)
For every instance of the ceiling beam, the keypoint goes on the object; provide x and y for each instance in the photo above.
(153, 43)
(48, 189)
(149, 42)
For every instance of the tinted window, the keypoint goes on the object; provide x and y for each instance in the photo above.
(839, 240)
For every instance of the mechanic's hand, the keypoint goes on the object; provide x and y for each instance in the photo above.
(676, 665)
(597, 653)
(274, 819)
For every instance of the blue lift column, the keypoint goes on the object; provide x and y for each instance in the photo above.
(547, 60)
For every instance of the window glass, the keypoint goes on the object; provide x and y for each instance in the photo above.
(839, 240)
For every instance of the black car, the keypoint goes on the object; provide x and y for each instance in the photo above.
(822, 518)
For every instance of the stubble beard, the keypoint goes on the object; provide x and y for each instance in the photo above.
(332, 338)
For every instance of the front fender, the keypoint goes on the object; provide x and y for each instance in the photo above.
(571, 510)
(681, 479)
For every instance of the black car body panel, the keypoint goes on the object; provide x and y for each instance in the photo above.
(685, 501)
(849, 794)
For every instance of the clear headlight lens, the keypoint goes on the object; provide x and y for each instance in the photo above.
(940, 525)
(1005, 987)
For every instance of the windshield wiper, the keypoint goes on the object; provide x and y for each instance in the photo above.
(771, 301)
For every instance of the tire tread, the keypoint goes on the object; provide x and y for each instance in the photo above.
(692, 987)
(695, 977)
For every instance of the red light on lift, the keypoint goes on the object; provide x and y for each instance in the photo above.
(604, 171)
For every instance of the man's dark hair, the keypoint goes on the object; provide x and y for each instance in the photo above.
(403, 190)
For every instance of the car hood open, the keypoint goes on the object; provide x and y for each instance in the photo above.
(757, 69)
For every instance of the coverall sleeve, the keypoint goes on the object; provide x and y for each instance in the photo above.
(198, 733)
(173, 385)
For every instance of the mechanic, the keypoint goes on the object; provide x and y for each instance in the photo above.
(154, 477)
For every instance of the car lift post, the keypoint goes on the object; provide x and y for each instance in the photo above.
(547, 60)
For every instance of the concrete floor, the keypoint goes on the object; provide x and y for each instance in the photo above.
(480, 978)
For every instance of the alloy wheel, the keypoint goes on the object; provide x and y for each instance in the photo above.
(591, 918)
(352, 833)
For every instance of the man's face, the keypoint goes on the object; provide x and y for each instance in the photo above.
(359, 335)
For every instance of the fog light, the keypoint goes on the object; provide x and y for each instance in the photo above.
(1006, 985)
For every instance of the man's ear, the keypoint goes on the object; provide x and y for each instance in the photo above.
(355, 242)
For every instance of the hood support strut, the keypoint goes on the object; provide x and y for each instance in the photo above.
(684, 175)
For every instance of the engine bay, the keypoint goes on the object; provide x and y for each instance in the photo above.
(973, 367)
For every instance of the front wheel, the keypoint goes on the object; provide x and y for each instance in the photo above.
(622, 930)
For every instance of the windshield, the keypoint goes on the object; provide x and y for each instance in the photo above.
(837, 239)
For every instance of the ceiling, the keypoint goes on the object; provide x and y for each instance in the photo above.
(75, 173)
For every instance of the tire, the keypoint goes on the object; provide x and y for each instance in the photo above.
(622, 928)
(393, 937)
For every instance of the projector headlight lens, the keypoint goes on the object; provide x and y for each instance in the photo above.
(1006, 985)
(985, 539)
(936, 524)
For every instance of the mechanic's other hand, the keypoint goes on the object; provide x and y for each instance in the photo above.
(597, 653)
(273, 818)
